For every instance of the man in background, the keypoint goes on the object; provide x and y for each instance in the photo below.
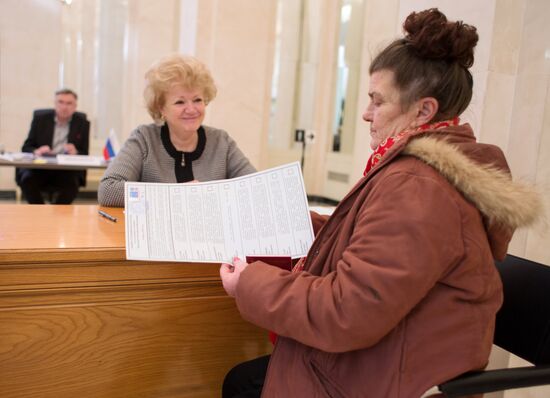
(61, 130)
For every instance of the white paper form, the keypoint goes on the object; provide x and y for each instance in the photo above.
(265, 213)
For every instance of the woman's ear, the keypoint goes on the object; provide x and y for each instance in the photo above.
(427, 108)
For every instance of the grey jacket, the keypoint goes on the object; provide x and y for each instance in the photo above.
(144, 158)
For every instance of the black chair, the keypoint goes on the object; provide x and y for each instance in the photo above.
(522, 328)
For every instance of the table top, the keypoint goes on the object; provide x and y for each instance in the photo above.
(65, 227)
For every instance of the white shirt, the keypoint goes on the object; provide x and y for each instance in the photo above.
(60, 136)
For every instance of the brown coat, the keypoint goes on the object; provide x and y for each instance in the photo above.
(399, 291)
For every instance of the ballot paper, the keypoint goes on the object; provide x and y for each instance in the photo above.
(265, 213)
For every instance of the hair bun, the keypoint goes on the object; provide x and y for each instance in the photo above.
(433, 36)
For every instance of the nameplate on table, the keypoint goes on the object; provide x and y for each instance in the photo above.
(80, 160)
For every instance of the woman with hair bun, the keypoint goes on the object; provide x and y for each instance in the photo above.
(399, 290)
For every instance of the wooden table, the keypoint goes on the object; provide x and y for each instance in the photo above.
(79, 320)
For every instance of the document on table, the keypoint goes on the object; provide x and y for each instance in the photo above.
(11, 156)
(80, 160)
(265, 213)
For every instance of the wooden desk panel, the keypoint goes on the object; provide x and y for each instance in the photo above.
(78, 320)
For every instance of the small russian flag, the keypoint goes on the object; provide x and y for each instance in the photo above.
(111, 147)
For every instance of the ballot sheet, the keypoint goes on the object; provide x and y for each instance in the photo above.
(265, 213)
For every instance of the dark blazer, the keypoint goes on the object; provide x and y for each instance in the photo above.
(42, 129)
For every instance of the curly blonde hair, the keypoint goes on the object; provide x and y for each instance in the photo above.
(175, 70)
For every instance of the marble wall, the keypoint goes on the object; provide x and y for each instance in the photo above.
(517, 103)
(236, 39)
(30, 54)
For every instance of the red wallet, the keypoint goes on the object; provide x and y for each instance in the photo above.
(284, 262)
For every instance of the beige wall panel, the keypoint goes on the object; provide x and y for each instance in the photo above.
(30, 50)
(236, 40)
(380, 27)
(497, 109)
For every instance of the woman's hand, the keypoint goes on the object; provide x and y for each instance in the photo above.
(230, 274)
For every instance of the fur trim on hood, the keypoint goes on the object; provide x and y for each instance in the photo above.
(500, 199)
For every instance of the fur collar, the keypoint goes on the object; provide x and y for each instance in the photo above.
(492, 190)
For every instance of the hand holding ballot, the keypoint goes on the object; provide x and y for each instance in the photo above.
(230, 274)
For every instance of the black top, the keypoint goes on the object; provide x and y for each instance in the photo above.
(183, 160)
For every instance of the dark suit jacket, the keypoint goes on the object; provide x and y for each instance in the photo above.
(42, 129)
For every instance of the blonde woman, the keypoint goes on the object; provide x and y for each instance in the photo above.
(177, 147)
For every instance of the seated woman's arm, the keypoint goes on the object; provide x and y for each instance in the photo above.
(126, 166)
(237, 163)
(372, 287)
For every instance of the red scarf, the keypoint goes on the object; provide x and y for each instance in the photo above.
(383, 147)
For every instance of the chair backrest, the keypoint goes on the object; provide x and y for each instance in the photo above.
(523, 322)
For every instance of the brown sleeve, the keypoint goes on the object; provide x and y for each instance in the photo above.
(398, 250)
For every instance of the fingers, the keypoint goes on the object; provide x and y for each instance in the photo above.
(70, 149)
(237, 260)
(237, 265)
(42, 150)
(240, 264)
(229, 278)
(226, 269)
